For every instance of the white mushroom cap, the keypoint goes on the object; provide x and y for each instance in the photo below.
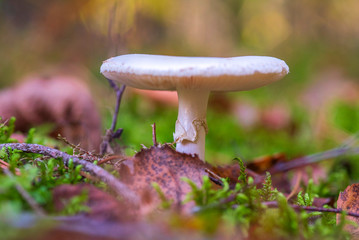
(193, 78)
(159, 72)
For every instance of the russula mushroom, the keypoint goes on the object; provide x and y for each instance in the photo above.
(193, 78)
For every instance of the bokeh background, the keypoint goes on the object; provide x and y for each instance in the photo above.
(314, 108)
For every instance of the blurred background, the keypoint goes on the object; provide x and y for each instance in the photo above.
(314, 108)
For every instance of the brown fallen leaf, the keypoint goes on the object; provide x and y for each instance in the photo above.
(232, 173)
(349, 201)
(262, 164)
(255, 169)
(62, 100)
(166, 167)
(103, 206)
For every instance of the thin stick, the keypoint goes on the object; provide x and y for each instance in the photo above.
(111, 133)
(109, 158)
(351, 140)
(117, 186)
(154, 137)
(119, 93)
(33, 204)
(78, 151)
(314, 158)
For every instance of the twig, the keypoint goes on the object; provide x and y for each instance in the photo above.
(73, 146)
(214, 177)
(109, 158)
(154, 137)
(351, 140)
(111, 133)
(117, 186)
(33, 204)
(119, 93)
(314, 158)
(78, 151)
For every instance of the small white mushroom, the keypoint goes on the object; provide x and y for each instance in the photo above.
(193, 78)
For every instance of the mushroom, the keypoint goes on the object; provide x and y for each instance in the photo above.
(193, 78)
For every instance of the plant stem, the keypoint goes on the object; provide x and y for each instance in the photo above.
(119, 93)
(111, 133)
(154, 136)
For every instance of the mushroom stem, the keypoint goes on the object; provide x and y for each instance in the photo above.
(191, 125)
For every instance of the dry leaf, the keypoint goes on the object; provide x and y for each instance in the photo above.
(262, 164)
(255, 169)
(349, 201)
(166, 167)
(230, 172)
(62, 100)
